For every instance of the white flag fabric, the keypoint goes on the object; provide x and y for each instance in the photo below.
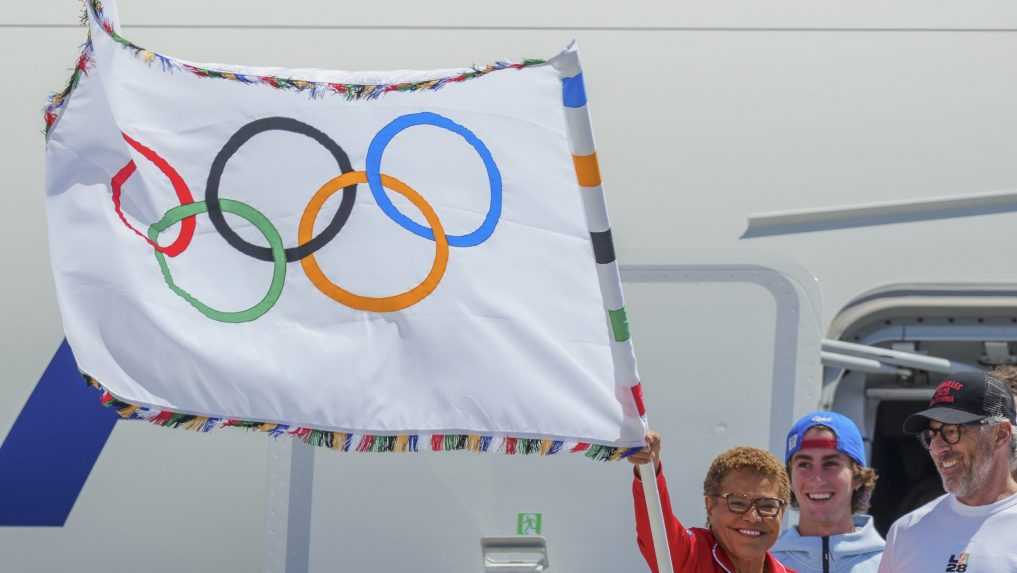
(373, 261)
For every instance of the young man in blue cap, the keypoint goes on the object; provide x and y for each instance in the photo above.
(830, 487)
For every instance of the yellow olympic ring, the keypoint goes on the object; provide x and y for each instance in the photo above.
(370, 303)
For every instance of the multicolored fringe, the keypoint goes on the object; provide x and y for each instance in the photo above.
(347, 442)
(313, 89)
(58, 100)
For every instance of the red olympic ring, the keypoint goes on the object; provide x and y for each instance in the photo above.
(187, 226)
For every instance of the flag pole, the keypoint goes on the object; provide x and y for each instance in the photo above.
(584, 159)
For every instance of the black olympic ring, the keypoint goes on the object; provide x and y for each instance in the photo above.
(242, 136)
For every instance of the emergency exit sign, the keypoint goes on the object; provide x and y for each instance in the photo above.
(528, 523)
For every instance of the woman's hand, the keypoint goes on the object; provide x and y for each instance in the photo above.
(650, 453)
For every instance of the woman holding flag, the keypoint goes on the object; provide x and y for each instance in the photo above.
(745, 491)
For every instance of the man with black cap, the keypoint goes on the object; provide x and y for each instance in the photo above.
(970, 434)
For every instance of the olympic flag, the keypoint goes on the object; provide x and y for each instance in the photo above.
(371, 261)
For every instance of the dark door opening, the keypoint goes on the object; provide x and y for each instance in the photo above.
(907, 477)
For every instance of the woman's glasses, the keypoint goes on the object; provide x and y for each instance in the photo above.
(765, 506)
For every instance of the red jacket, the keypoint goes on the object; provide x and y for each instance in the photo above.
(692, 550)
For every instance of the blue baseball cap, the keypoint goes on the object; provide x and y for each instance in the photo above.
(848, 439)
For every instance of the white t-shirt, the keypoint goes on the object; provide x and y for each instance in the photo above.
(947, 536)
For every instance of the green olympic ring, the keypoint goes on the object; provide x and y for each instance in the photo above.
(253, 216)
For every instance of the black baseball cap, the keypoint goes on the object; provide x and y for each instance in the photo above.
(964, 398)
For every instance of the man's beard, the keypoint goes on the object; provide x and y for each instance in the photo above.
(977, 473)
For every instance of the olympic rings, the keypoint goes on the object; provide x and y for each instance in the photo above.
(307, 244)
(373, 169)
(373, 304)
(242, 136)
(253, 216)
(182, 191)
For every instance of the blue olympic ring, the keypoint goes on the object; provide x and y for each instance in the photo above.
(373, 170)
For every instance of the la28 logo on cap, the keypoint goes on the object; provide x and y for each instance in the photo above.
(944, 393)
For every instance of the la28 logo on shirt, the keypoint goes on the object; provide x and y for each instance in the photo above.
(957, 563)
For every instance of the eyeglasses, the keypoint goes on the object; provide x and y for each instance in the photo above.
(951, 433)
(765, 506)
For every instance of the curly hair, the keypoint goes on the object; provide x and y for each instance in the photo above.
(754, 460)
(866, 478)
(1006, 373)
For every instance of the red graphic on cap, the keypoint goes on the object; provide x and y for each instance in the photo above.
(819, 444)
(944, 392)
